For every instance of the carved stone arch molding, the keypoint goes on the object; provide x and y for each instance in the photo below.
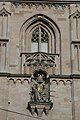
(52, 38)
(75, 25)
(4, 19)
(48, 24)
(76, 14)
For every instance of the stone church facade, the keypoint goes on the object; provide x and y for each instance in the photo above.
(39, 60)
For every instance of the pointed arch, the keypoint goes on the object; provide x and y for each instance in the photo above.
(75, 14)
(4, 22)
(5, 12)
(48, 24)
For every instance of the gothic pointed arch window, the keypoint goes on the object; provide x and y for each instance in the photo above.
(39, 35)
(39, 40)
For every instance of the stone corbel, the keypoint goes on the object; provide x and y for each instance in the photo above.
(39, 108)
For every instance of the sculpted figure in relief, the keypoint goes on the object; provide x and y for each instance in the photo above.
(38, 92)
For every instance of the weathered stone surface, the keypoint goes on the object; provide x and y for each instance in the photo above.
(17, 23)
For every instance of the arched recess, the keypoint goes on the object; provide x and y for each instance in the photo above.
(48, 25)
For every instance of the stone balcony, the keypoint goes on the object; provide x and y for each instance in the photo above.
(40, 60)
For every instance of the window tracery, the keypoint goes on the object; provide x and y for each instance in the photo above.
(40, 40)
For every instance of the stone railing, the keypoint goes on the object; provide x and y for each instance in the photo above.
(39, 60)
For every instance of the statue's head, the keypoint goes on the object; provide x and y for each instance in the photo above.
(40, 74)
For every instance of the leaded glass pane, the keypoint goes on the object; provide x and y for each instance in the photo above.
(35, 35)
(44, 47)
(40, 40)
(44, 36)
(34, 47)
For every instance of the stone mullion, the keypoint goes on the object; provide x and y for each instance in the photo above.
(5, 50)
(79, 28)
(4, 56)
(1, 56)
(7, 26)
(2, 24)
(39, 46)
(72, 59)
(76, 27)
(76, 58)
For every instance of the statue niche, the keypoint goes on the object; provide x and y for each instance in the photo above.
(40, 93)
(39, 87)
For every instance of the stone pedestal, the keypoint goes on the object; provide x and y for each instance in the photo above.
(39, 107)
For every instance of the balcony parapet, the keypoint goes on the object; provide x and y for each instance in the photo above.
(39, 60)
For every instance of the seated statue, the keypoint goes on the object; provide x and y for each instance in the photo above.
(38, 92)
